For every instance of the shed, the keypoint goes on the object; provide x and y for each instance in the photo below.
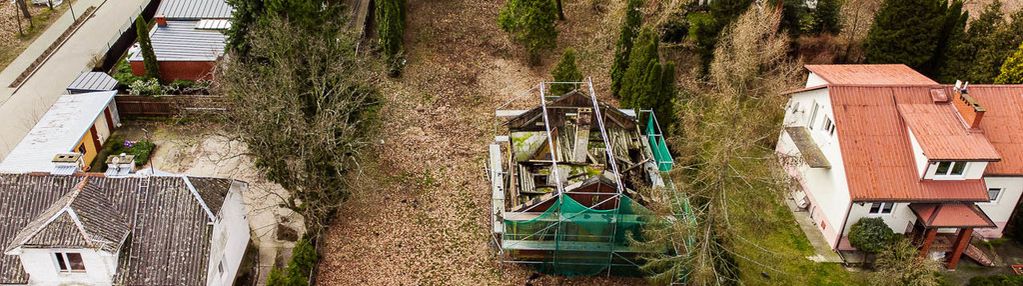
(92, 82)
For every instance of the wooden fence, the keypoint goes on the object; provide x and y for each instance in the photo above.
(169, 105)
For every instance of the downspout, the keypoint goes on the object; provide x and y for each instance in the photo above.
(842, 230)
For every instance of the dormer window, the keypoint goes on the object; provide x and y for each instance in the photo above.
(950, 169)
(69, 262)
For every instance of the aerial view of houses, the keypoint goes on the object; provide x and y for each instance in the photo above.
(511, 142)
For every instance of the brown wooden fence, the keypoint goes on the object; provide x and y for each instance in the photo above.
(170, 105)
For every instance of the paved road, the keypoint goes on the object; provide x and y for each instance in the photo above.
(20, 109)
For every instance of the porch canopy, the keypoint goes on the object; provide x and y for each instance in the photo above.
(951, 215)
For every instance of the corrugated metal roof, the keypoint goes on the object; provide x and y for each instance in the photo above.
(870, 75)
(58, 131)
(951, 215)
(181, 41)
(194, 9)
(172, 248)
(876, 151)
(1003, 125)
(93, 81)
(939, 130)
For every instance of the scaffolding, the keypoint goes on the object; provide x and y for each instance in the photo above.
(578, 212)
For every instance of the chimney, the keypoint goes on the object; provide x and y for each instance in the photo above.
(66, 164)
(161, 21)
(968, 107)
(120, 165)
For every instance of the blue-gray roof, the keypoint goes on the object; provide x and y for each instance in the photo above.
(194, 9)
(93, 81)
(181, 41)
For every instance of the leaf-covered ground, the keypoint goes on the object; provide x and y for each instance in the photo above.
(419, 210)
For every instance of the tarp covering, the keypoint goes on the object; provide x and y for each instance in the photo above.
(658, 146)
(576, 239)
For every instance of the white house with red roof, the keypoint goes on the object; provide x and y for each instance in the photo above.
(940, 163)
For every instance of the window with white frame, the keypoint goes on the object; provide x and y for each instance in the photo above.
(950, 168)
(68, 262)
(828, 126)
(881, 208)
(993, 193)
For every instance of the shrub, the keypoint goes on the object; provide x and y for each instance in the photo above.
(303, 259)
(899, 263)
(147, 87)
(531, 24)
(1012, 69)
(123, 74)
(870, 235)
(565, 71)
(142, 150)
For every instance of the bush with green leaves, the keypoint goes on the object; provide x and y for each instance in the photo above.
(530, 23)
(149, 87)
(303, 259)
(565, 71)
(141, 149)
(1012, 69)
(899, 263)
(870, 235)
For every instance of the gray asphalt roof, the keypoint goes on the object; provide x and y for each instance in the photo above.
(194, 9)
(93, 81)
(172, 247)
(181, 41)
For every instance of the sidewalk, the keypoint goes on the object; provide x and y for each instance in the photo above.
(820, 246)
(21, 108)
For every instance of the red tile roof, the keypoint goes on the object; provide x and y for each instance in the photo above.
(938, 129)
(876, 150)
(870, 75)
(951, 215)
(1003, 125)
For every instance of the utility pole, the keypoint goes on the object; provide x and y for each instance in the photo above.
(71, 5)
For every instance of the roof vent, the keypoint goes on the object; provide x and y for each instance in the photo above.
(66, 164)
(120, 165)
(938, 95)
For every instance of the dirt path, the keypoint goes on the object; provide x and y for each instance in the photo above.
(418, 215)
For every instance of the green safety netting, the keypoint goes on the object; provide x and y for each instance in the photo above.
(582, 242)
(658, 146)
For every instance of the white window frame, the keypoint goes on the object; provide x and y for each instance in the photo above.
(813, 115)
(952, 165)
(59, 257)
(997, 195)
(880, 208)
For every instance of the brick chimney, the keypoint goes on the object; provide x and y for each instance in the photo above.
(161, 21)
(968, 107)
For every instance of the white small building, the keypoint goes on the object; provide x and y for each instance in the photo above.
(95, 230)
(884, 141)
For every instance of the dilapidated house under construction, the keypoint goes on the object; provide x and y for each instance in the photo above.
(570, 179)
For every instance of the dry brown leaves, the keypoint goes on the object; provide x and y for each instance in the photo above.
(419, 211)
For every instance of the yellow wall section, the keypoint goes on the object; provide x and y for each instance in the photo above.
(91, 149)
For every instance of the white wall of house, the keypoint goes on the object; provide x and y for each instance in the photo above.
(1000, 210)
(230, 238)
(814, 80)
(827, 189)
(901, 219)
(918, 155)
(41, 266)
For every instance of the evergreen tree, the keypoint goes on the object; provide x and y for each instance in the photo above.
(906, 32)
(791, 12)
(722, 13)
(531, 24)
(635, 82)
(659, 92)
(1012, 69)
(148, 56)
(561, 10)
(827, 17)
(245, 15)
(963, 60)
(629, 29)
(952, 28)
(992, 53)
(565, 71)
(390, 16)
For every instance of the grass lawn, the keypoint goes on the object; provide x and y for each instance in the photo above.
(771, 249)
(13, 43)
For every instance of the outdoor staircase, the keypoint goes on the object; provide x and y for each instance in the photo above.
(978, 255)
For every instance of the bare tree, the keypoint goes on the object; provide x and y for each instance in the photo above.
(23, 6)
(725, 137)
(302, 104)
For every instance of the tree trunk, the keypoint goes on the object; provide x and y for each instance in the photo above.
(24, 11)
(561, 11)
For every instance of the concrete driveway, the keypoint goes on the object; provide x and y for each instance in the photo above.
(21, 108)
